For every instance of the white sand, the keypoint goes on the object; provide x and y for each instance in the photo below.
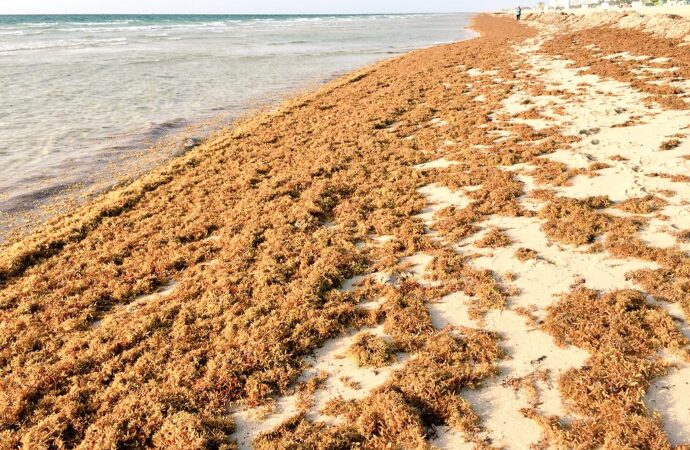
(558, 266)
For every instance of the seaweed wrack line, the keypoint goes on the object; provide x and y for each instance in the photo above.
(451, 183)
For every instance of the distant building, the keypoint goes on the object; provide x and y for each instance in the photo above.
(576, 4)
(558, 4)
(585, 3)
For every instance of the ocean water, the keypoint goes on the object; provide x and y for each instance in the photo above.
(84, 98)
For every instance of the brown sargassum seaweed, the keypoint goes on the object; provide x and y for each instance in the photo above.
(623, 333)
(252, 235)
(369, 350)
(240, 225)
(586, 47)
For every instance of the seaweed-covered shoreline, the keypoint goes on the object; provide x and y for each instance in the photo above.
(451, 248)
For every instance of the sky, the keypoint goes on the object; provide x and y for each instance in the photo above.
(246, 6)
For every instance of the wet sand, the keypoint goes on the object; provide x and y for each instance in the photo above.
(482, 244)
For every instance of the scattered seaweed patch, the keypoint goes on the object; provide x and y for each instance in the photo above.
(573, 221)
(495, 238)
(576, 47)
(525, 254)
(425, 393)
(670, 144)
(676, 178)
(683, 236)
(623, 333)
(305, 391)
(459, 275)
(369, 350)
(350, 383)
(642, 205)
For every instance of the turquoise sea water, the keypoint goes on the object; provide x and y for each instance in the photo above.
(80, 95)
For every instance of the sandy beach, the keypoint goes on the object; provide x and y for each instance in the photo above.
(483, 244)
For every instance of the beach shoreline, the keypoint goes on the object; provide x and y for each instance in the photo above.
(483, 244)
(147, 83)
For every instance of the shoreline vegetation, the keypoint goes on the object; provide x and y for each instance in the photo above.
(482, 244)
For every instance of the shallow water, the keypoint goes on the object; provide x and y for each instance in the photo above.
(83, 95)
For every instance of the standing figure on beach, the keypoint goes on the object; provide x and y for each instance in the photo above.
(518, 13)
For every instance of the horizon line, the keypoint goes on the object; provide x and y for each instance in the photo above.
(237, 14)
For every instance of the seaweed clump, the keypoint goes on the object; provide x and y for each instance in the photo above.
(642, 205)
(670, 144)
(525, 254)
(574, 221)
(623, 333)
(403, 412)
(495, 238)
(369, 350)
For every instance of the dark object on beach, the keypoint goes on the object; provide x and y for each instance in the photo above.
(518, 13)
(186, 145)
(589, 131)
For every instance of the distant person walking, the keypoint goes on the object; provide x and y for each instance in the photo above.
(518, 13)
